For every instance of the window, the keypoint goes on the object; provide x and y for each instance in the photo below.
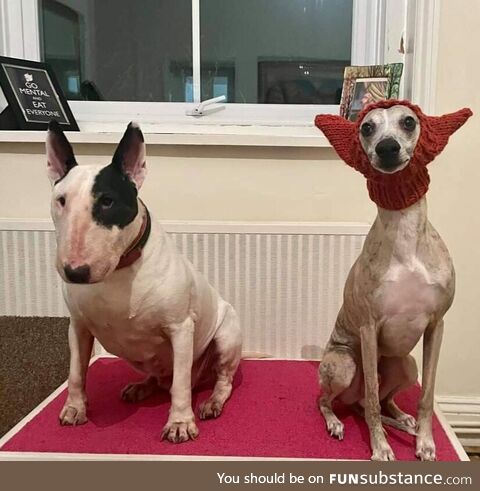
(251, 51)
(278, 52)
(119, 50)
(263, 55)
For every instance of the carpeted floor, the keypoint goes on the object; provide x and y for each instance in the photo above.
(271, 401)
(272, 413)
(33, 362)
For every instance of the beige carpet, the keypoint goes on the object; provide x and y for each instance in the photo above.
(33, 362)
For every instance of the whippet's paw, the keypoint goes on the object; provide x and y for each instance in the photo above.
(73, 414)
(179, 432)
(383, 453)
(336, 429)
(426, 449)
(138, 391)
(210, 409)
(408, 420)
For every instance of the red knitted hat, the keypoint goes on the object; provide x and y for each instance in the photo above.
(403, 188)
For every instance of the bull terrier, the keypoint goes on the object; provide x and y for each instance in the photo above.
(403, 282)
(126, 285)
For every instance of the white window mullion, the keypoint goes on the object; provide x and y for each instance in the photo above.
(31, 30)
(426, 20)
(196, 50)
(368, 32)
(19, 29)
(12, 28)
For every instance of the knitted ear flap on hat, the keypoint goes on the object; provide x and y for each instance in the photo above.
(435, 132)
(405, 187)
(340, 133)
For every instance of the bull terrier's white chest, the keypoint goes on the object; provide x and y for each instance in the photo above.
(126, 325)
(136, 339)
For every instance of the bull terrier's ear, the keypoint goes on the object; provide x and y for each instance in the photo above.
(340, 133)
(60, 157)
(129, 156)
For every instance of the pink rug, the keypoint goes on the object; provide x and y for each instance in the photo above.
(272, 413)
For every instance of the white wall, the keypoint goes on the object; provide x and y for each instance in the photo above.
(454, 198)
(311, 184)
(215, 183)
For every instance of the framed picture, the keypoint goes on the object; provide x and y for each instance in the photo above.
(34, 96)
(363, 85)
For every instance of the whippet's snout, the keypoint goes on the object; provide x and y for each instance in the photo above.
(388, 150)
(81, 274)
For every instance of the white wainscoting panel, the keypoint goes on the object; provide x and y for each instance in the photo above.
(284, 279)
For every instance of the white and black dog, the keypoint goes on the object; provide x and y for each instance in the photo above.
(126, 285)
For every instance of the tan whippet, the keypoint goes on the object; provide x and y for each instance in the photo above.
(402, 283)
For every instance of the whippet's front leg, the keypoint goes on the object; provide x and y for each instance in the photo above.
(80, 342)
(381, 450)
(432, 340)
(181, 422)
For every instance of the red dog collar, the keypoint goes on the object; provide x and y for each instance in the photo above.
(403, 188)
(134, 251)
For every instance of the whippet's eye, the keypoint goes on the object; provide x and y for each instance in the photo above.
(409, 123)
(61, 201)
(106, 202)
(367, 129)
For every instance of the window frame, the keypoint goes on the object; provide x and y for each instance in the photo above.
(20, 37)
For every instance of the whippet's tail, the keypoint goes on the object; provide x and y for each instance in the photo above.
(386, 420)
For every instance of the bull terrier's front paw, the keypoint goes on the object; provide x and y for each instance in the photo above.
(210, 409)
(383, 452)
(73, 413)
(425, 449)
(180, 431)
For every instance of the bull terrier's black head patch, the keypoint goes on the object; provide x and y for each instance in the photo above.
(114, 190)
(114, 198)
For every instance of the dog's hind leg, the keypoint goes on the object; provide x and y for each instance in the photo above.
(336, 373)
(139, 391)
(228, 344)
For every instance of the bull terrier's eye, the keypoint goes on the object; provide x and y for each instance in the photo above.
(409, 123)
(61, 201)
(106, 202)
(367, 129)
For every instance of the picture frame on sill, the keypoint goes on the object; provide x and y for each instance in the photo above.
(363, 85)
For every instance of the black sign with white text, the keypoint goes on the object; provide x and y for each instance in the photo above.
(34, 95)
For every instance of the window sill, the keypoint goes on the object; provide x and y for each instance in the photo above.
(242, 125)
(255, 136)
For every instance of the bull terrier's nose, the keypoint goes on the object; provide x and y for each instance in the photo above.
(388, 149)
(77, 275)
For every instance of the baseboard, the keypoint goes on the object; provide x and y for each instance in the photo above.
(463, 415)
